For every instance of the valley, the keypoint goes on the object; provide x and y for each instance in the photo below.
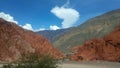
(94, 43)
(96, 27)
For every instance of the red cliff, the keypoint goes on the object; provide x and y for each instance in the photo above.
(107, 49)
(16, 42)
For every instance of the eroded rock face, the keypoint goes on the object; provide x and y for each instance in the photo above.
(107, 49)
(16, 42)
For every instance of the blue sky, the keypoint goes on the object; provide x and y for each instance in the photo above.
(54, 14)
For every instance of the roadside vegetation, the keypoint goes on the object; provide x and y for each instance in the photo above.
(35, 61)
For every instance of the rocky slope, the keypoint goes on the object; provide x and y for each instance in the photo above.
(96, 27)
(107, 49)
(16, 42)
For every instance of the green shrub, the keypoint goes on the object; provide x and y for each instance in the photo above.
(34, 61)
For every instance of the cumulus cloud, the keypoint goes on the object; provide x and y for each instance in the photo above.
(69, 15)
(10, 18)
(54, 27)
(28, 26)
(7, 17)
(40, 29)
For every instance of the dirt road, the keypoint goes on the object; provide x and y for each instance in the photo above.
(91, 65)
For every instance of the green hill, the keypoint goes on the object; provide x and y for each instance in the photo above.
(93, 28)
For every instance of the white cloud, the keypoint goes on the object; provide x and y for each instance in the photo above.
(69, 15)
(27, 26)
(40, 29)
(10, 18)
(54, 27)
(7, 17)
(67, 3)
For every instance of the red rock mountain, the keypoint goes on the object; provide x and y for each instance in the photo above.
(107, 49)
(16, 42)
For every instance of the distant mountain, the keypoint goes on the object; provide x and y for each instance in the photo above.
(53, 35)
(107, 48)
(94, 28)
(16, 42)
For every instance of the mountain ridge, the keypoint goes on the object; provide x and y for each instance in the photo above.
(96, 27)
(53, 35)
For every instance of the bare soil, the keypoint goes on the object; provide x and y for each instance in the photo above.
(90, 65)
